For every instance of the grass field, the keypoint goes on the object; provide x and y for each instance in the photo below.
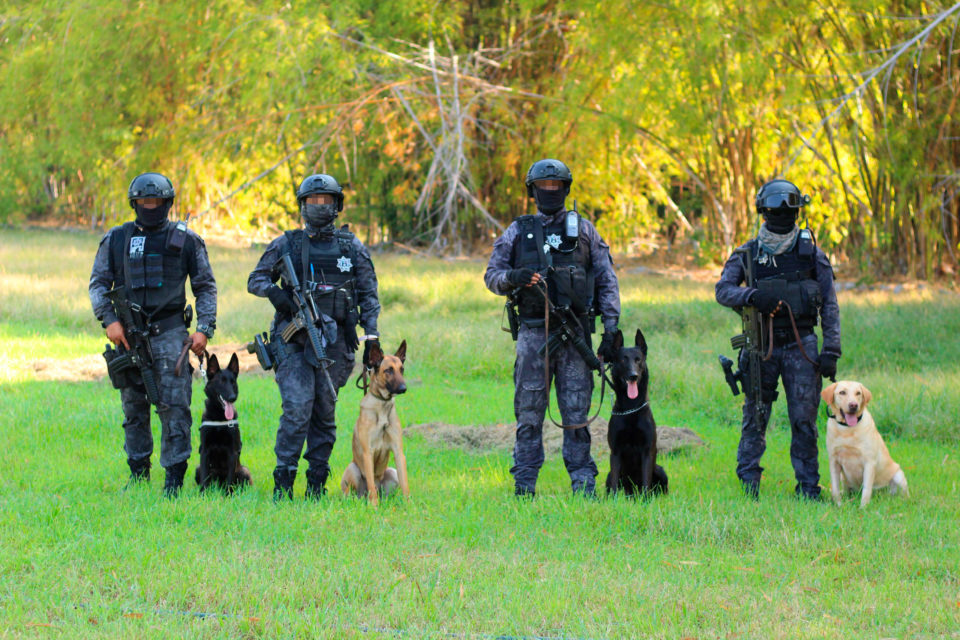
(80, 557)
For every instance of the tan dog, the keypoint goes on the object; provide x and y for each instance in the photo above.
(378, 432)
(857, 453)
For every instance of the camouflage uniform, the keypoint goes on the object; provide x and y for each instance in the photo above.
(309, 408)
(175, 392)
(574, 380)
(801, 380)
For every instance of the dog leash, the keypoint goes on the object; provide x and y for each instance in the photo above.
(185, 358)
(546, 368)
(796, 335)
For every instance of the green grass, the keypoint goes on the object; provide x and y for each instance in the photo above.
(80, 557)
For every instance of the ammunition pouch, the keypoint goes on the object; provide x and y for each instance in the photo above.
(803, 296)
(121, 368)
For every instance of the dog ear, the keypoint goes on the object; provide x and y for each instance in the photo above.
(213, 366)
(234, 365)
(641, 342)
(375, 357)
(867, 396)
(402, 351)
(618, 340)
(827, 394)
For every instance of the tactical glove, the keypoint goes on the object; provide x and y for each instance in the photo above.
(368, 344)
(765, 302)
(828, 366)
(520, 277)
(350, 336)
(605, 350)
(281, 301)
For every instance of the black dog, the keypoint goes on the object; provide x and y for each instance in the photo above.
(219, 430)
(632, 433)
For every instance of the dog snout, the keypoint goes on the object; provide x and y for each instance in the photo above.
(401, 388)
(852, 407)
(632, 376)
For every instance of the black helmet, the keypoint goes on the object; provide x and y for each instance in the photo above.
(320, 183)
(548, 169)
(150, 185)
(780, 194)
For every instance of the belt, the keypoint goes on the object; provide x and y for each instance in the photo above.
(174, 321)
(785, 336)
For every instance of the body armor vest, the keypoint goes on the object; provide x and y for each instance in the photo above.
(539, 247)
(793, 279)
(153, 267)
(327, 271)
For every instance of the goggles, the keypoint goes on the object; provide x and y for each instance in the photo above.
(782, 199)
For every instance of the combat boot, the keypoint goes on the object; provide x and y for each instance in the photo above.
(751, 489)
(139, 470)
(316, 481)
(174, 480)
(283, 483)
(521, 491)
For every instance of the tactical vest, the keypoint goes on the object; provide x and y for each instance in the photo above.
(153, 268)
(793, 279)
(539, 247)
(327, 269)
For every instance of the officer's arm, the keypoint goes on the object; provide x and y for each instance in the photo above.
(728, 291)
(202, 284)
(830, 311)
(605, 278)
(366, 283)
(262, 277)
(101, 281)
(501, 262)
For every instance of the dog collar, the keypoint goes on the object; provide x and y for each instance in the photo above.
(629, 411)
(233, 424)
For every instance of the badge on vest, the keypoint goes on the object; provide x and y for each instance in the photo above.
(344, 264)
(137, 243)
(554, 240)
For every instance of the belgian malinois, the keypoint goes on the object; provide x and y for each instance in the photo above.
(378, 432)
(220, 442)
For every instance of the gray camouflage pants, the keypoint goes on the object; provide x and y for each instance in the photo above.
(175, 420)
(309, 409)
(573, 381)
(801, 384)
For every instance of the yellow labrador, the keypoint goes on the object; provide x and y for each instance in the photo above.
(858, 455)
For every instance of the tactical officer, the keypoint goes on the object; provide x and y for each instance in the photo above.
(150, 260)
(791, 276)
(334, 269)
(559, 254)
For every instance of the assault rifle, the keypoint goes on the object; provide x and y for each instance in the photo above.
(308, 318)
(134, 366)
(751, 339)
(567, 323)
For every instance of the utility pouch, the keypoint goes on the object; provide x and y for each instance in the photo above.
(121, 367)
(153, 270)
(188, 316)
(343, 305)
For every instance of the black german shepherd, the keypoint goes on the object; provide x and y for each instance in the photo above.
(220, 432)
(632, 433)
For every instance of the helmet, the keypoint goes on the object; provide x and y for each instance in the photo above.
(780, 194)
(548, 169)
(150, 185)
(320, 183)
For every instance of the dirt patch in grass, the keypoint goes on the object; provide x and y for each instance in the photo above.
(93, 366)
(496, 437)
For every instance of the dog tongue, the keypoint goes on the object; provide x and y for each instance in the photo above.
(632, 391)
(851, 419)
(228, 410)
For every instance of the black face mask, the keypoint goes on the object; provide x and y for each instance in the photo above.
(150, 218)
(318, 216)
(549, 202)
(780, 220)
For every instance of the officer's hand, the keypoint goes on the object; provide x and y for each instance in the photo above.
(369, 344)
(766, 302)
(199, 343)
(522, 277)
(828, 366)
(116, 334)
(350, 336)
(605, 350)
(281, 301)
